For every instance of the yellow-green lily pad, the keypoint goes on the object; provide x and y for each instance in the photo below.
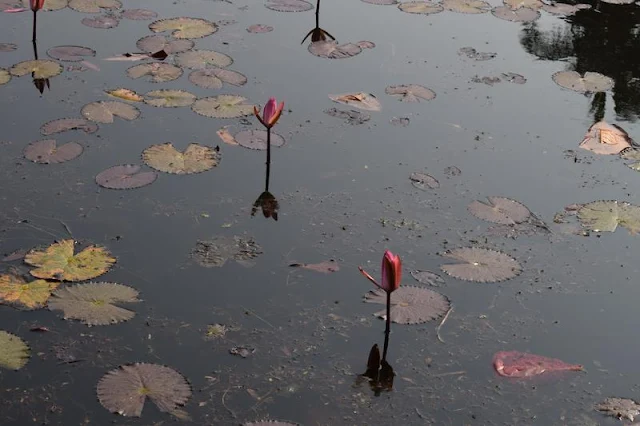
(184, 28)
(169, 98)
(223, 106)
(195, 159)
(605, 216)
(5, 77)
(93, 6)
(40, 68)
(14, 352)
(17, 292)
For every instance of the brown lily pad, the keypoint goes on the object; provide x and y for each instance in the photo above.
(257, 139)
(157, 73)
(106, 111)
(519, 15)
(270, 423)
(591, 82)
(212, 78)
(47, 151)
(139, 14)
(500, 210)
(201, 59)
(17, 292)
(607, 139)
(359, 100)
(94, 6)
(222, 106)
(481, 265)
(410, 305)
(128, 176)
(66, 124)
(421, 7)
(332, 50)
(101, 22)
(158, 42)
(620, 408)
(288, 5)
(184, 28)
(7, 47)
(564, 9)
(71, 53)
(195, 158)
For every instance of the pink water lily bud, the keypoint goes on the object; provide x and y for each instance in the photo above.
(36, 5)
(270, 114)
(391, 272)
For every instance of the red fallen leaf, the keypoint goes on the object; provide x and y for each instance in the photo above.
(39, 329)
(521, 364)
(324, 267)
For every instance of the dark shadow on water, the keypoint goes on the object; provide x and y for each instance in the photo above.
(266, 202)
(317, 33)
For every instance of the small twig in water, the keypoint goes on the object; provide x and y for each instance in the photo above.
(66, 227)
(443, 320)
(259, 317)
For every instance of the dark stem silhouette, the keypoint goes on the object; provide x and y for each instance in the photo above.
(268, 159)
(35, 18)
(387, 329)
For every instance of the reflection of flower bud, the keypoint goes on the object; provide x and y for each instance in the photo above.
(317, 34)
(36, 5)
(40, 84)
(269, 205)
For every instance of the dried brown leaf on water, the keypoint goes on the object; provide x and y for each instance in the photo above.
(7, 47)
(66, 124)
(47, 151)
(423, 181)
(167, 98)
(480, 265)
(514, 78)
(94, 6)
(125, 94)
(126, 176)
(17, 292)
(466, 6)
(158, 73)
(223, 106)
(5, 76)
(605, 138)
(215, 331)
(592, 82)
(201, 59)
(621, 408)
(472, 53)
(157, 42)
(410, 92)
(519, 15)
(226, 136)
(325, 267)
(71, 53)
(360, 100)
(351, 117)
(500, 210)
(427, 277)
(194, 159)
(242, 351)
(38, 69)
(184, 28)
(288, 5)
(605, 216)
(14, 352)
(410, 305)
(125, 389)
(215, 252)
(522, 364)
(332, 50)
(420, 7)
(106, 111)
(212, 78)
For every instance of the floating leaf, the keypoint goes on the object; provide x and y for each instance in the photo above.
(158, 42)
(410, 92)
(520, 15)
(17, 292)
(158, 73)
(257, 139)
(564, 9)
(212, 78)
(424, 181)
(521, 364)
(259, 29)
(94, 6)
(359, 100)
(621, 408)
(472, 53)
(427, 277)
(169, 98)
(14, 352)
(127, 176)
(466, 6)
(216, 252)
(195, 159)
(288, 5)
(605, 216)
(352, 117)
(8, 47)
(420, 7)
(182, 28)
(226, 137)
(105, 111)
(332, 50)
(93, 303)
(70, 53)
(5, 77)
(618, 1)
(201, 59)
(511, 77)
(223, 106)
(590, 83)
(65, 124)
(605, 138)
(364, 44)
(125, 389)
(101, 22)
(325, 267)
(57, 262)
(215, 331)
(46, 151)
(410, 305)
(400, 121)
(42, 68)
(126, 94)
(139, 14)
(481, 265)
(500, 210)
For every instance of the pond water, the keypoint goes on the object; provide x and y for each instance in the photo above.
(344, 194)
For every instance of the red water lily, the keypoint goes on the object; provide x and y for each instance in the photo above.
(391, 272)
(270, 114)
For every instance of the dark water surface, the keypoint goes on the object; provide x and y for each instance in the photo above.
(344, 194)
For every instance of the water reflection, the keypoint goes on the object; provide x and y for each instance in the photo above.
(604, 39)
(40, 83)
(379, 372)
(266, 201)
(317, 33)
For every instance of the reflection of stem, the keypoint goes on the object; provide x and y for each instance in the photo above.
(268, 158)
(35, 15)
(387, 328)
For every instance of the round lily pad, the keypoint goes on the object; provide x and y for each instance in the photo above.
(94, 6)
(564, 9)
(127, 176)
(139, 14)
(169, 98)
(47, 151)
(605, 216)
(42, 68)
(607, 139)
(5, 77)
(257, 139)
(259, 29)
(222, 106)
(14, 352)
(424, 181)
(125, 389)
(184, 28)
(420, 7)
(93, 303)
(101, 22)
(410, 92)
(70, 53)
(195, 159)
(212, 78)
(288, 5)
(65, 124)
(500, 210)
(466, 6)
(523, 14)
(410, 305)
(519, 4)
(157, 42)
(481, 265)
(17, 292)
(58, 262)
(591, 82)
(201, 59)
(332, 50)
(106, 111)
(158, 73)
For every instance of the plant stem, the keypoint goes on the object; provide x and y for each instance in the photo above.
(387, 329)
(268, 158)
(35, 15)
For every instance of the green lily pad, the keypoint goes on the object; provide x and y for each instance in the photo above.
(17, 292)
(5, 77)
(40, 68)
(14, 352)
(94, 6)
(157, 42)
(169, 98)
(201, 59)
(605, 216)
(420, 7)
(223, 106)
(195, 159)
(184, 28)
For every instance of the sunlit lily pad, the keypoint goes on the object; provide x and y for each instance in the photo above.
(158, 73)
(139, 14)
(410, 92)
(66, 124)
(605, 138)
(47, 151)
(125, 389)
(257, 139)
(106, 111)
(288, 5)
(58, 262)
(214, 253)
(480, 265)
(620, 408)
(500, 210)
(5, 77)
(519, 15)
(466, 6)
(332, 50)
(127, 176)
(182, 28)
(212, 78)
(94, 6)
(421, 7)
(125, 94)
(14, 352)
(223, 106)
(42, 68)
(17, 292)
(423, 181)
(71, 53)
(169, 98)
(101, 22)
(195, 159)
(591, 82)
(93, 303)
(564, 9)
(158, 42)
(201, 59)
(605, 216)
(410, 305)
(358, 100)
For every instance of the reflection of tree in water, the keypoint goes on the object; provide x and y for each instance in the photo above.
(604, 39)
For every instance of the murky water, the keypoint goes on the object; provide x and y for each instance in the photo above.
(344, 193)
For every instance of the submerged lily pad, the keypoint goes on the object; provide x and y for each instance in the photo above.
(125, 389)
(521, 364)
(288, 5)
(17, 292)
(519, 15)
(466, 6)
(410, 92)
(139, 14)
(605, 138)
(358, 100)
(184, 28)
(47, 151)
(605, 216)
(101, 22)
(620, 408)
(94, 6)
(481, 265)
(421, 7)
(127, 176)
(215, 252)
(158, 73)
(332, 50)
(58, 262)
(157, 42)
(519, 4)
(427, 277)
(424, 181)
(169, 98)
(201, 59)
(223, 106)
(590, 83)
(472, 53)
(5, 77)
(257, 139)
(93, 303)
(352, 117)
(259, 29)
(195, 159)
(326, 267)
(14, 352)
(65, 124)
(500, 210)
(410, 305)
(212, 78)
(106, 111)
(40, 68)
(70, 53)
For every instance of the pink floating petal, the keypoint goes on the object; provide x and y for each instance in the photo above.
(521, 364)
(16, 10)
